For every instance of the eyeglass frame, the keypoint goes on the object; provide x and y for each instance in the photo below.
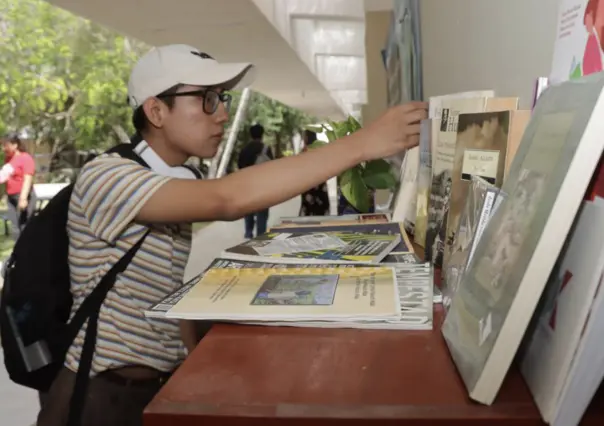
(224, 98)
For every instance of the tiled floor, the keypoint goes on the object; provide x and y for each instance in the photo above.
(19, 406)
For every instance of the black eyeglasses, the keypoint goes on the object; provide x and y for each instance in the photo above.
(211, 99)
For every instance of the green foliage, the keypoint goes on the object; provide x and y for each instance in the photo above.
(357, 184)
(62, 77)
(280, 122)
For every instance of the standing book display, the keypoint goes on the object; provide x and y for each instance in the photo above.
(500, 288)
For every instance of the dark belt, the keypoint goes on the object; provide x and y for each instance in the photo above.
(119, 378)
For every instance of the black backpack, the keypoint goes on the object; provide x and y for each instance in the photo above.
(36, 300)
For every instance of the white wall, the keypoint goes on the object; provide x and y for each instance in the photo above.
(487, 44)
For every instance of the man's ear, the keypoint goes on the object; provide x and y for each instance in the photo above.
(155, 111)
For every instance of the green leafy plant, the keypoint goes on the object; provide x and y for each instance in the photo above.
(359, 183)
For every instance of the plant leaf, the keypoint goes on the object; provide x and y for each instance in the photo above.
(316, 129)
(340, 128)
(377, 174)
(354, 189)
(353, 124)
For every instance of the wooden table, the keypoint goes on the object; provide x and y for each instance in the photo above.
(245, 375)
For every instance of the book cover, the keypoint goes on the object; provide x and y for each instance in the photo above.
(501, 286)
(349, 219)
(424, 180)
(553, 339)
(480, 150)
(292, 294)
(414, 282)
(310, 247)
(404, 208)
(478, 209)
(390, 228)
(443, 159)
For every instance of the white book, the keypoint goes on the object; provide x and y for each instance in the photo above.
(587, 370)
(406, 198)
(501, 286)
(562, 315)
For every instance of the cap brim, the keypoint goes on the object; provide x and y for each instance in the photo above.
(228, 76)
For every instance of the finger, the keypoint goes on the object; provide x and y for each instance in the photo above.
(412, 129)
(411, 141)
(415, 116)
(413, 105)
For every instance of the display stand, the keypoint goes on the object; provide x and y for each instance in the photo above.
(245, 375)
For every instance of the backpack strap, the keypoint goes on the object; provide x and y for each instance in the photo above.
(89, 310)
(194, 170)
(126, 150)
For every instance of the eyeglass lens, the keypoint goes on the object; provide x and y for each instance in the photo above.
(213, 99)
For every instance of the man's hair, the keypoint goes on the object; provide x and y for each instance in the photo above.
(256, 131)
(14, 139)
(139, 118)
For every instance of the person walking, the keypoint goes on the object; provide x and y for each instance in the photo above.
(255, 152)
(315, 202)
(18, 175)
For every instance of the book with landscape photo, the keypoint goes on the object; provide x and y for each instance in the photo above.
(292, 294)
(414, 282)
(415, 286)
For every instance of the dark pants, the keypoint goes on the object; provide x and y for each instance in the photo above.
(106, 403)
(18, 218)
(259, 220)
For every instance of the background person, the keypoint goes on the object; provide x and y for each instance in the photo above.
(255, 152)
(315, 202)
(18, 174)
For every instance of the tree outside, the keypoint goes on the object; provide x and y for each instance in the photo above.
(63, 79)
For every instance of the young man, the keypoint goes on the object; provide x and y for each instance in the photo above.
(255, 152)
(181, 109)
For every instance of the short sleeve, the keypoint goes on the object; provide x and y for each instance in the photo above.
(29, 165)
(111, 190)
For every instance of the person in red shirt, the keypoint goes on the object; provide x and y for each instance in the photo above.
(18, 174)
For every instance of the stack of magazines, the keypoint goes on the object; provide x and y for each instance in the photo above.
(360, 272)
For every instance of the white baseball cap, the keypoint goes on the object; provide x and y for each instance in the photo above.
(164, 67)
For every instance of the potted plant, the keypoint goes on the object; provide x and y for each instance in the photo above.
(357, 185)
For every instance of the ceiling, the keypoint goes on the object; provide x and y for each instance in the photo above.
(310, 54)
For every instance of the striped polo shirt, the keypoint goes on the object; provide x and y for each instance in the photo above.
(107, 196)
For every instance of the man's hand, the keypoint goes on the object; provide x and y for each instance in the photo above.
(22, 204)
(395, 131)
